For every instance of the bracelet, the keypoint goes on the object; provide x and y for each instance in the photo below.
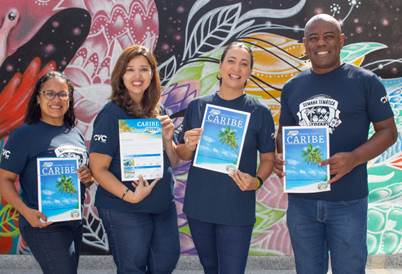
(260, 181)
(125, 192)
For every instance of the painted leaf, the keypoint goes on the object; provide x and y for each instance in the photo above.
(9, 222)
(212, 30)
(352, 52)
(265, 218)
(94, 233)
(167, 69)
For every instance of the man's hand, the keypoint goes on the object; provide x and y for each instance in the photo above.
(278, 165)
(340, 164)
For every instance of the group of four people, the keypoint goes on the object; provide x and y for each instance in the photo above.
(140, 217)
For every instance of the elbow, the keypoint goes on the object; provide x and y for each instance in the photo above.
(394, 136)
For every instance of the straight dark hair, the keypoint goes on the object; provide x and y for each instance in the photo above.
(34, 114)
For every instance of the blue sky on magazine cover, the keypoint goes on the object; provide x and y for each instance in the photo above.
(212, 150)
(297, 168)
(52, 197)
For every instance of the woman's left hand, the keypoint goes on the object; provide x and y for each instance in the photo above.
(244, 181)
(167, 128)
(85, 176)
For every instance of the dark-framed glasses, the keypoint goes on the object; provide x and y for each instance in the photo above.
(51, 94)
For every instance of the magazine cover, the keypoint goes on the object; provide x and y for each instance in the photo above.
(59, 193)
(222, 139)
(141, 148)
(303, 150)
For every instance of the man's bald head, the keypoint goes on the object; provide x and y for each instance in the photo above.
(322, 18)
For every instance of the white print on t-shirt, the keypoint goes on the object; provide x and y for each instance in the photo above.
(384, 99)
(6, 154)
(70, 151)
(100, 138)
(319, 110)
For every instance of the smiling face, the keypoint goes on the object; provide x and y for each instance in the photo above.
(53, 110)
(235, 69)
(323, 41)
(137, 77)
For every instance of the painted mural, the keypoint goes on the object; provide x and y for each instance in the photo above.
(83, 38)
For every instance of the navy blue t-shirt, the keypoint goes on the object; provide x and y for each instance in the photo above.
(212, 196)
(346, 100)
(105, 140)
(40, 140)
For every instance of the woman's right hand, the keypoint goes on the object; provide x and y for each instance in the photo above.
(35, 218)
(142, 189)
(192, 138)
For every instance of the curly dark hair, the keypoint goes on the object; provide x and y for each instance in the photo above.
(149, 106)
(238, 45)
(33, 113)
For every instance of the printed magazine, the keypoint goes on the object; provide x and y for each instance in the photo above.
(222, 139)
(59, 193)
(303, 150)
(141, 148)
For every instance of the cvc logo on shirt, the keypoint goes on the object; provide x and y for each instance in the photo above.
(6, 153)
(100, 138)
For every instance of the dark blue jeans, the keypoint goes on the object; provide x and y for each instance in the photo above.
(222, 249)
(321, 229)
(142, 242)
(56, 247)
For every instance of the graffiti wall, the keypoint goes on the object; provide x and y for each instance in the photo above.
(83, 38)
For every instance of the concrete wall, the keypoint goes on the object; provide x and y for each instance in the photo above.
(84, 38)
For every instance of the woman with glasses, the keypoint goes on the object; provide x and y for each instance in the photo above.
(139, 216)
(49, 131)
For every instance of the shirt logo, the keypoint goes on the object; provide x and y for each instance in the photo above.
(100, 138)
(320, 110)
(384, 99)
(6, 153)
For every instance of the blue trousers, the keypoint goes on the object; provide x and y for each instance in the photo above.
(222, 249)
(142, 242)
(322, 229)
(56, 247)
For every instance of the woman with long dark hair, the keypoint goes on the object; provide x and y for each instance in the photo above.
(220, 208)
(139, 217)
(49, 131)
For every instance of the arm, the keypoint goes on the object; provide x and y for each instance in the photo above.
(342, 163)
(168, 143)
(246, 182)
(9, 192)
(99, 165)
(191, 138)
(278, 163)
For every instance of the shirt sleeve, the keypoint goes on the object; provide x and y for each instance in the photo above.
(286, 118)
(15, 154)
(266, 134)
(186, 124)
(105, 134)
(378, 105)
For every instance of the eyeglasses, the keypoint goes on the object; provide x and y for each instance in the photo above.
(51, 94)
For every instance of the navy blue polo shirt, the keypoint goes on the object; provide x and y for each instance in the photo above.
(40, 140)
(214, 197)
(346, 100)
(105, 140)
